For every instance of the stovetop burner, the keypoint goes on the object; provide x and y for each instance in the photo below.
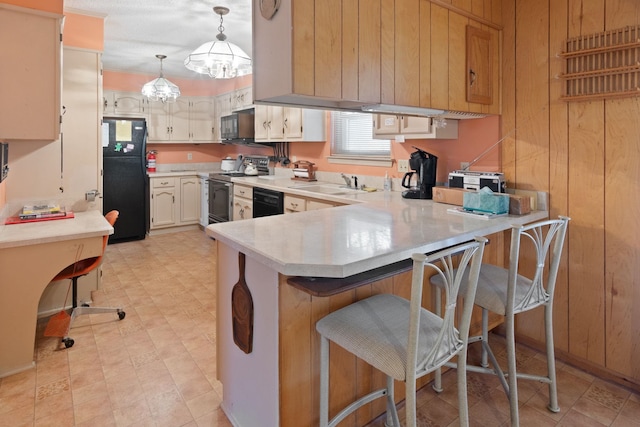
(261, 163)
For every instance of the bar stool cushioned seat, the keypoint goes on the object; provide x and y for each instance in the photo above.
(401, 338)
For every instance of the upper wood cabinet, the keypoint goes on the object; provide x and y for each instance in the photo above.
(128, 104)
(479, 66)
(241, 99)
(269, 123)
(387, 126)
(345, 54)
(188, 119)
(30, 74)
(275, 123)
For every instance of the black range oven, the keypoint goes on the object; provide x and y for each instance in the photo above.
(220, 197)
(221, 188)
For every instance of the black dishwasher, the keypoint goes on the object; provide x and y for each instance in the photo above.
(267, 202)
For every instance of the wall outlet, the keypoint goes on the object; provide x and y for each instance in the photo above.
(403, 165)
(464, 165)
(189, 156)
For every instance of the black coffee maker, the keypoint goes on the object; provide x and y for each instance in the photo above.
(424, 166)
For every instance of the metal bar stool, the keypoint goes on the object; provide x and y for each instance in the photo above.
(507, 292)
(401, 338)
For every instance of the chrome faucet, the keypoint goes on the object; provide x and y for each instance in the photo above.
(347, 180)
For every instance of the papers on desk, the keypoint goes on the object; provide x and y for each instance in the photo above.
(474, 214)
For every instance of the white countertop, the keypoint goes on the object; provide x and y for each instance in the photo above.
(177, 173)
(377, 229)
(84, 224)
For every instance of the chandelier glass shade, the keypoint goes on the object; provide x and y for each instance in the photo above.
(219, 58)
(161, 89)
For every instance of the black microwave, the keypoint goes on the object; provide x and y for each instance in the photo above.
(238, 126)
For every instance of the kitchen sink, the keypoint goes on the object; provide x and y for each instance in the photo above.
(331, 189)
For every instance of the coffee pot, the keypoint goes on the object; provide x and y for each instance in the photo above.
(423, 166)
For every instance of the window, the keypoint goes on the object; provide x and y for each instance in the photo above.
(353, 142)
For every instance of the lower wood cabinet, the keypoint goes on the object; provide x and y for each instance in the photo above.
(242, 202)
(175, 201)
(294, 203)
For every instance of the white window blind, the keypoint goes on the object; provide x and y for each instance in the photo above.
(353, 136)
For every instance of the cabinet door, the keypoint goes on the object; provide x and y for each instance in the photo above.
(242, 209)
(292, 123)
(202, 119)
(158, 125)
(179, 119)
(242, 99)
(294, 204)
(30, 75)
(384, 124)
(276, 123)
(269, 123)
(163, 207)
(479, 66)
(128, 104)
(189, 200)
(261, 123)
(223, 104)
(410, 124)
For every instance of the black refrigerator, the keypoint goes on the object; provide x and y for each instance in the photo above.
(125, 181)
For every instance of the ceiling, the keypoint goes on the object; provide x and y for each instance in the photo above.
(136, 30)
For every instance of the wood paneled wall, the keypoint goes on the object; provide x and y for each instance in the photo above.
(587, 155)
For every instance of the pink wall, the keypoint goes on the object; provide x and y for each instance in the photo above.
(199, 86)
(474, 135)
(83, 31)
(53, 6)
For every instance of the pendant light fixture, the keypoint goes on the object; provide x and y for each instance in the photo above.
(219, 58)
(161, 89)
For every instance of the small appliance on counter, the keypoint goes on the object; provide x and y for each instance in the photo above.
(477, 180)
(423, 165)
(228, 164)
(304, 171)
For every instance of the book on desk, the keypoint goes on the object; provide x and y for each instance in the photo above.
(34, 213)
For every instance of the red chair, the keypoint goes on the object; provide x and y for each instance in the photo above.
(82, 268)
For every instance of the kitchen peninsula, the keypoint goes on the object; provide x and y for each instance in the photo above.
(31, 255)
(276, 384)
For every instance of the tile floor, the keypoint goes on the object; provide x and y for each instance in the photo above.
(157, 366)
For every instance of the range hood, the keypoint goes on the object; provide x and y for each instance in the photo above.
(419, 111)
(306, 101)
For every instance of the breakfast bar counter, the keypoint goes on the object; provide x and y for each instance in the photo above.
(31, 254)
(274, 382)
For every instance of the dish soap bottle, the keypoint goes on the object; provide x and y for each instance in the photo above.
(387, 182)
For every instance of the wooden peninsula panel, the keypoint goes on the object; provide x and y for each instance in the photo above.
(350, 377)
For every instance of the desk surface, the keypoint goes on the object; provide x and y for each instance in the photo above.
(83, 225)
